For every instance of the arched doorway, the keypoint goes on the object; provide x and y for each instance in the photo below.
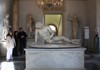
(55, 21)
(54, 28)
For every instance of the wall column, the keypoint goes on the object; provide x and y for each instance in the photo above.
(15, 15)
(98, 23)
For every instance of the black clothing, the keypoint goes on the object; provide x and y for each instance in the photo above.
(96, 43)
(15, 50)
(22, 41)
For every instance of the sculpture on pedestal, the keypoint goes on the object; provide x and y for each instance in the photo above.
(6, 26)
(30, 26)
(48, 35)
(75, 23)
(75, 26)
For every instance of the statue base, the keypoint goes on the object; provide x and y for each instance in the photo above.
(54, 59)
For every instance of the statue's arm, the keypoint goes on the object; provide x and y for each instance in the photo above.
(36, 33)
(4, 23)
(51, 32)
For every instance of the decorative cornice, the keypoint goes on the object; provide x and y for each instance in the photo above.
(76, 0)
(66, 0)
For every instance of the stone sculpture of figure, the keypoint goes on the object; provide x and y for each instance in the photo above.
(6, 26)
(30, 22)
(74, 26)
(48, 34)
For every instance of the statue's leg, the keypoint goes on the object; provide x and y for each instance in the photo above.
(49, 41)
(30, 33)
(66, 39)
(3, 34)
(61, 38)
(56, 38)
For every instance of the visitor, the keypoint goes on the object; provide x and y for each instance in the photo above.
(22, 40)
(15, 50)
(10, 43)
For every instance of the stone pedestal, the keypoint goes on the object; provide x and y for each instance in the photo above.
(3, 48)
(54, 58)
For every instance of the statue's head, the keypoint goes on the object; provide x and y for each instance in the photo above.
(74, 16)
(21, 29)
(29, 15)
(39, 25)
(7, 16)
(10, 33)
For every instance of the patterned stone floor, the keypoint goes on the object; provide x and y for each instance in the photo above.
(92, 62)
(17, 64)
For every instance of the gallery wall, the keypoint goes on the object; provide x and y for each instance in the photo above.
(98, 19)
(91, 5)
(26, 7)
(77, 7)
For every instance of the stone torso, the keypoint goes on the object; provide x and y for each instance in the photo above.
(45, 33)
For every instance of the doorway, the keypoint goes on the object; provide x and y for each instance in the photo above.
(55, 23)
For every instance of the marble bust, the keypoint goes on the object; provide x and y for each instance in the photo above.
(48, 34)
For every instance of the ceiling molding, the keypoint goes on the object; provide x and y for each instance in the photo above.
(76, 0)
(66, 0)
(26, 0)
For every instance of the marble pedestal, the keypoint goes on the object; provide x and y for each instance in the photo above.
(54, 58)
(3, 49)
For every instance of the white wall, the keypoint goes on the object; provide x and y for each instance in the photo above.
(29, 6)
(78, 7)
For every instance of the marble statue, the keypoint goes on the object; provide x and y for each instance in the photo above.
(75, 23)
(48, 34)
(30, 26)
(6, 26)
